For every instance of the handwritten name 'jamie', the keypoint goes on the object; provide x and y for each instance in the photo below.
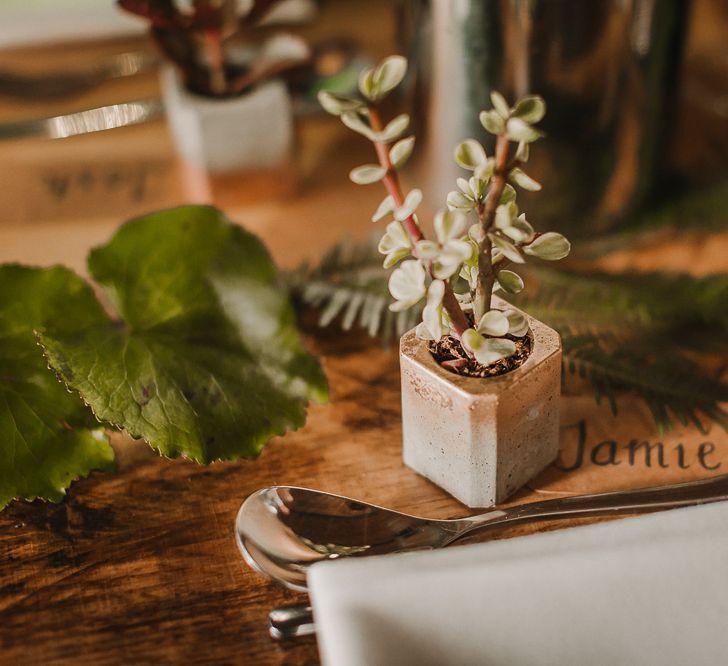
(638, 453)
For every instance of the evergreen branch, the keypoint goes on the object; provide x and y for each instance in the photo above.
(670, 384)
(350, 284)
(647, 300)
(611, 325)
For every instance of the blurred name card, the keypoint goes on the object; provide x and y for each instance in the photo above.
(118, 173)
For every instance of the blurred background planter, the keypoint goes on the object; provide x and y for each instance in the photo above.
(481, 439)
(248, 132)
(608, 69)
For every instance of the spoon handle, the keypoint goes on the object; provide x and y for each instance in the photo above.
(295, 621)
(613, 503)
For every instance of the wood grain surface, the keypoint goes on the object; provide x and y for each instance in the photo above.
(141, 566)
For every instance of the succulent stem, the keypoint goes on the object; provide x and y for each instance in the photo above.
(486, 215)
(391, 182)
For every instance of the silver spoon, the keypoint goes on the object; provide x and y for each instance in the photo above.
(282, 530)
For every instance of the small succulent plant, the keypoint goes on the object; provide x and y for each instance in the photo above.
(479, 236)
(192, 34)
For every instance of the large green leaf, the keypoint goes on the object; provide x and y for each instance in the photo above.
(205, 361)
(48, 437)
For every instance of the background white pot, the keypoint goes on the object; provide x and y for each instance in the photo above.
(481, 439)
(252, 131)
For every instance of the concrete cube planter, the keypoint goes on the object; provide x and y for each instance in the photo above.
(481, 439)
(250, 132)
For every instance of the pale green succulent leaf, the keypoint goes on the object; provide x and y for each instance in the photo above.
(336, 104)
(394, 129)
(504, 215)
(510, 282)
(470, 154)
(386, 207)
(530, 109)
(423, 333)
(485, 171)
(407, 285)
(507, 248)
(464, 186)
(477, 187)
(524, 225)
(395, 256)
(523, 180)
(367, 174)
(500, 105)
(492, 122)
(395, 238)
(493, 323)
(409, 206)
(389, 74)
(509, 195)
(517, 323)
(401, 151)
(495, 349)
(427, 250)
(432, 313)
(449, 225)
(488, 350)
(459, 201)
(550, 246)
(354, 121)
(519, 130)
(367, 85)
(522, 152)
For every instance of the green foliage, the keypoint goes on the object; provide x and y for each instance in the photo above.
(205, 360)
(620, 332)
(671, 385)
(635, 301)
(349, 286)
(48, 437)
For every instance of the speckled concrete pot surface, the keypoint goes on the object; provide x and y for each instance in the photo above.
(481, 439)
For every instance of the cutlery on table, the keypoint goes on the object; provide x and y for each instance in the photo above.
(282, 530)
(58, 84)
(84, 122)
(291, 621)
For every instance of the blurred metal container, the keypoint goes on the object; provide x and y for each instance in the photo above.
(607, 69)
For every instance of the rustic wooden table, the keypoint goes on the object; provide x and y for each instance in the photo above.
(141, 566)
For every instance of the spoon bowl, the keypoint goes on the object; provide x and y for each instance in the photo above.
(283, 530)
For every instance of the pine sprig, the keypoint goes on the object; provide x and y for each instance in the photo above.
(350, 285)
(670, 384)
(647, 300)
(611, 325)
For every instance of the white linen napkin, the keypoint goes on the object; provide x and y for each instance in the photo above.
(646, 590)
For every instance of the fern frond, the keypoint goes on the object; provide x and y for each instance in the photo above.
(350, 285)
(611, 325)
(670, 384)
(648, 300)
